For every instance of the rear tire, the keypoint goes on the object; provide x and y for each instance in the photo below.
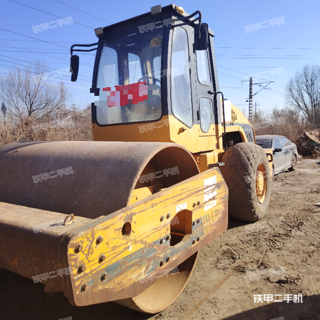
(247, 174)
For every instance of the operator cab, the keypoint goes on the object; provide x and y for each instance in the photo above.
(157, 68)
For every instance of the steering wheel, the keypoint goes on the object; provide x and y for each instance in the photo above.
(147, 77)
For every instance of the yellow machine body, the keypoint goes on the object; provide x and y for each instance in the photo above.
(125, 223)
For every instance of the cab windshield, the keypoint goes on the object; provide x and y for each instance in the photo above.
(129, 78)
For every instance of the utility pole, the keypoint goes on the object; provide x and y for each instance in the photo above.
(251, 95)
(250, 99)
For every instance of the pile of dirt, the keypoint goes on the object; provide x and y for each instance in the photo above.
(308, 144)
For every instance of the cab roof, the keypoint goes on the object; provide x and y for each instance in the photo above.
(133, 23)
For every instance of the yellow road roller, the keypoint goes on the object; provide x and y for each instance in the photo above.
(122, 218)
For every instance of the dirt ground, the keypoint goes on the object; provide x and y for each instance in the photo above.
(279, 255)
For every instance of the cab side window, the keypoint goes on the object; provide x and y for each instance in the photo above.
(180, 77)
(203, 67)
(205, 114)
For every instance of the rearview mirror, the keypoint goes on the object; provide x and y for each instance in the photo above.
(203, 41)
(277, 150)
(74, 67)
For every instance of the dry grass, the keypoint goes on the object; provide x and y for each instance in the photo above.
(75, 125)
(71, 125)
(292, 131)
(285, 122)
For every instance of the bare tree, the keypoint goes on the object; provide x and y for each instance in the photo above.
(303, 93)
(285, 122)
(28, 93)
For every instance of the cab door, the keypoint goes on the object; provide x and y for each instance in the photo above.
(204, 96)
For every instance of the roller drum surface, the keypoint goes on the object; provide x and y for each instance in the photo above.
(104, 174)
(100, 179)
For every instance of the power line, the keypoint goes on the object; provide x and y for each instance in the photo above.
(271, 98)
(51, 49)
(227, 95)
(239, 72)
(20, 34)
(50, 14)
(246, 75)
(43, 54)
(82, 11)
(31, 62)
(85, 84)
(230, 87)
(236, 72)
(276, 92)
(229, 75)
(33, 40)
(280, 86)
(260, 95)
(1, 44)
(230, 69)
(255, 56)
(242, 97)
(277, 48)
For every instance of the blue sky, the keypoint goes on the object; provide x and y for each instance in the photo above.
(286, 47)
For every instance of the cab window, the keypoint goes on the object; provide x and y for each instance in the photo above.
(134, 68)
(180, 77)
(203, 67)
(205, 114)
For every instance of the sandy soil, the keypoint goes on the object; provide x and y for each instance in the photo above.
(279, 255)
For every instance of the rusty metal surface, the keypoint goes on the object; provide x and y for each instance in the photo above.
(165, 291)
(47, 251)
(129, 276)
(100, 186)
(104, 173)
(29, 250)
(103, 177)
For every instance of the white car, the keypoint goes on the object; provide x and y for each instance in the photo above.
(285, 152)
